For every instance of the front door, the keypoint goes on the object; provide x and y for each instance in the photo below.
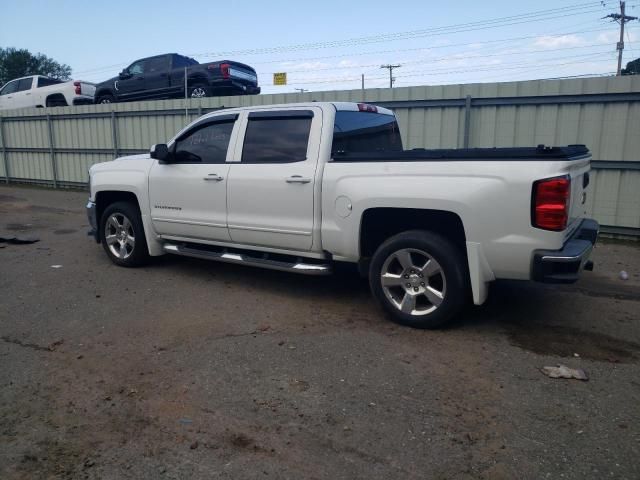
(271, 189)
(133, 85)
(188, 196)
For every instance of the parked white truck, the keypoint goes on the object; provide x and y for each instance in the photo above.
(39, 91)
(299, 187)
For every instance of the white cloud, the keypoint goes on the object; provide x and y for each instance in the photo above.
(555, 41)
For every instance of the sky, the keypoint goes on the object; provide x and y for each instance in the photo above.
(328, 45)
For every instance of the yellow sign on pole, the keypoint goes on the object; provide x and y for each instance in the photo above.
(280, 78)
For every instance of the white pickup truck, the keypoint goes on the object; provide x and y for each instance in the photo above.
(298, 187)
(39, 91)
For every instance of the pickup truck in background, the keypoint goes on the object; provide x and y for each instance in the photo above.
(299, 187)
(40, 91)
(163, 76)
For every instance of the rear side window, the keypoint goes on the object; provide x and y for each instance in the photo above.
(207, 144)
(157, 64)
(45, 82)
(25, 84)
(364, 132)
(276, 140)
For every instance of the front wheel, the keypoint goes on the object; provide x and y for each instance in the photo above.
(105, 99)
(419, 278)
(122, 235)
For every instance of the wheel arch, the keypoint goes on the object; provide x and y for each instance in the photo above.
(57, 97)
(380, 223)
(104, 198)
(102, 92)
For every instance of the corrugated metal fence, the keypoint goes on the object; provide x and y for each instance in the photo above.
(56, 146)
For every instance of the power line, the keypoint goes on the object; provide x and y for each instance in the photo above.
(529, 17)
(451, 56)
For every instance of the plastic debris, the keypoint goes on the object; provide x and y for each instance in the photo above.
(562, 371)
(624, 275)
(19, 239)
(56, 266)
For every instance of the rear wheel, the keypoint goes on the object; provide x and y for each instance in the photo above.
(199, 90)
(419, 279)
(122, 235)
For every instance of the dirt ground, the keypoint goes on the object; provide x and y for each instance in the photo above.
(188, 369)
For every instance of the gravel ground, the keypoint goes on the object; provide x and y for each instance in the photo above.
(188, 369)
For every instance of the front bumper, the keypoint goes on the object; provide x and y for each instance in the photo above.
(93, 221)
(565, 265)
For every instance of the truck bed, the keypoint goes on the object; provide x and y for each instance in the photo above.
(570, 152)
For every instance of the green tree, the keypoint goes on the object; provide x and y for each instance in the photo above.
(633, 68)
(15, 63)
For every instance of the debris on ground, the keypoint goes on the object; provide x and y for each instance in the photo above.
(52, 346)
(562, 371)
(56, 266)
(19, 239)
(624, 275)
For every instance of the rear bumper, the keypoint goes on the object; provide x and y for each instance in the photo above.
(86, 100)
(93, 220)
(565, 265)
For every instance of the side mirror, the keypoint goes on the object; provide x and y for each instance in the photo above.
(160, 152)
(124, 74)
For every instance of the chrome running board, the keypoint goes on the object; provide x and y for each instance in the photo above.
(263, 261)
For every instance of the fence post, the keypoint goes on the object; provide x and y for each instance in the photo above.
(467, 121)
(4, 153)
(52, 152)
(114, 133)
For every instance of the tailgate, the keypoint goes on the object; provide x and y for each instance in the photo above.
(87, 88)
(580, 179)
(243, 73)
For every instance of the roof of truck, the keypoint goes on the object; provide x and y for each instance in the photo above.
(341, 106)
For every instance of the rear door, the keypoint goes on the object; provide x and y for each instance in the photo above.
(188, 198)
(271, 189)
(23, 94)
(157, 76)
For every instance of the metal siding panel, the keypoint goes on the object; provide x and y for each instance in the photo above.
(609, 130)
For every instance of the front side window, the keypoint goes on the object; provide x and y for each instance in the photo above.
(276, 140)
(137, 68)
(10, 87)
(206, 144)
(365, 132)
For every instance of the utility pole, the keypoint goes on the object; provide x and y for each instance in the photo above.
(390, 67)
(301, 90)
(622, 18)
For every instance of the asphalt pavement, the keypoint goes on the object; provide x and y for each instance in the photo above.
(192, 369)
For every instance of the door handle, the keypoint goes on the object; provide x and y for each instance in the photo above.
(213, 177)
(298, 179)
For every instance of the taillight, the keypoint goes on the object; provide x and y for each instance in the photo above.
(364, 107)
(224, 70)
(78, 86)
(550, 205)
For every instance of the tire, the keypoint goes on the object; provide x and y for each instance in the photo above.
(424, 279)
(106, 98)
(122, 235)
(199, 90)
